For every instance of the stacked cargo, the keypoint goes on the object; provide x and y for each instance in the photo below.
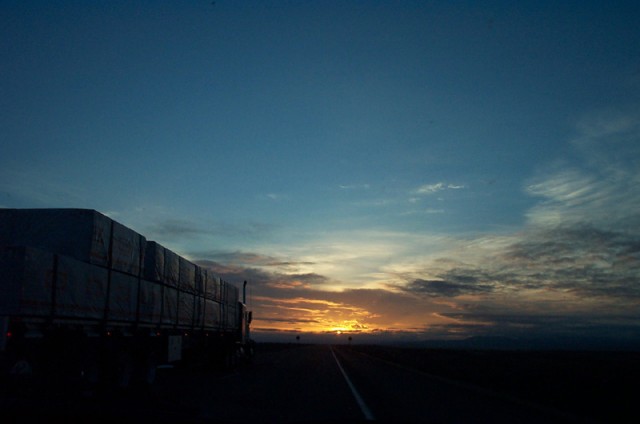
(26, 283)
(78, 263)
(212, 301)
(85, 235)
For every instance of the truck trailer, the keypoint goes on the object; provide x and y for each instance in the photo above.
(87, 298)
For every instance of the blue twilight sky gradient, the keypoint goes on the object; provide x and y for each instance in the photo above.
(417, 169)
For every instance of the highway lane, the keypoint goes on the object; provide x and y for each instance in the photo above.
(291, 385)
(294, 384)
(398, 394)
(335, 384)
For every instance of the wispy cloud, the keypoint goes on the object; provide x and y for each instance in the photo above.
(607, 126)
(276, 196)
(573, 196)
(249, 259)
(428, 189)
(354, 186)
(175, 228)
(604, 188)
(456, 286)
(265, 279)
(584, 260)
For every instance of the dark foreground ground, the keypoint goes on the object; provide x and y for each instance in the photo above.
(301, 383)
(594, 386)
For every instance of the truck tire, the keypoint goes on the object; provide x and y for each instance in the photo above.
(124, 369)
(21, 369)
(146, 370)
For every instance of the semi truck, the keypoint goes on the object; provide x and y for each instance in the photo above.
(87, 298)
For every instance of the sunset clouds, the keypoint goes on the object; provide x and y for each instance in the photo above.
(399, 171)
(572, 267)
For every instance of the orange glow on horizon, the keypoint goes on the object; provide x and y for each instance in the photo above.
(329, 316)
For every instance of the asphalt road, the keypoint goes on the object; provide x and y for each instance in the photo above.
(325, 384)
(291, 385)
(395, 393)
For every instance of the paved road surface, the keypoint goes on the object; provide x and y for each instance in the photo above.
(292, 385)
(398, 394)
(304, 384)
(297, 384)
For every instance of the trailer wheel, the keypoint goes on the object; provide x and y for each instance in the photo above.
(124, 370)
(20, 377)
(150, 375)
(21, 369)
(90, 376)
(146, 370)
(227, 358)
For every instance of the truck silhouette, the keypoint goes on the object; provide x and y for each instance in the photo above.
(90, 299)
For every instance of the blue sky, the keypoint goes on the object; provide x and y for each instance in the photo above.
(418, 169)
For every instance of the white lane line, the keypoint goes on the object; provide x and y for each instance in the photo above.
(368, 415)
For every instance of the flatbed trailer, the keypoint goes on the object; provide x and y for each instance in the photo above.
(85, 296)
